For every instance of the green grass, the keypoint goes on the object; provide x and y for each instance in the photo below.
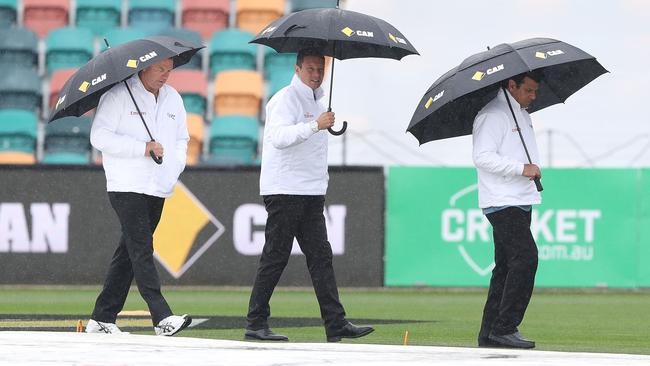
(591, 321)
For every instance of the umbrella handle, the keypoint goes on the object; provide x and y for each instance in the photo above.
(158, 160)
(341, 131)
(538, 184)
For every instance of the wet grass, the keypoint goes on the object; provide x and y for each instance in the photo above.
(590, 321)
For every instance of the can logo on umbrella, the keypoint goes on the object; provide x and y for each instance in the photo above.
(58, 102)
(433, 99)
(478, 76)
(349, 32)
(544, 55)
(396, 39)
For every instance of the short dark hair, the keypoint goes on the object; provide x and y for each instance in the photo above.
(535, 75)
(307, 52)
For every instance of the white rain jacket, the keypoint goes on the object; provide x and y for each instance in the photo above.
(294, 158)
(119, 134)
(499, 156)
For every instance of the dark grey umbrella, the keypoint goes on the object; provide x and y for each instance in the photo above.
(342, 34)
(83, 89)
(449, 106)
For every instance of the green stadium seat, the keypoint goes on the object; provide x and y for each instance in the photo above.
(152, 15)
(67, 48)
(196, 62)
(68, 135)
(229, 49)
(233, 140)
(17, 131)
(205, 16)
(298, 5)
(65, 158)
(279, 68)
(98, 15)
(42, 16)
(8, 13)
(118, 36)
(19, 47)
(20, 88)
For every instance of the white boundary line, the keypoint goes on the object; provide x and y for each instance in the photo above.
(40, 348)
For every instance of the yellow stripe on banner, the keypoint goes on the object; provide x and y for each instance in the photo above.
(182, 220)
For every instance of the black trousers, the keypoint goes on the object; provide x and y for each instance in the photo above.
(138, 215)
(301, 217)
(513, 277)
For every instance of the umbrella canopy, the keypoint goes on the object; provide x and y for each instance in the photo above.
(342, 34)
(83, 89)
(449, 106)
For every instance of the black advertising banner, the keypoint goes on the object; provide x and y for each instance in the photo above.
(57, 227)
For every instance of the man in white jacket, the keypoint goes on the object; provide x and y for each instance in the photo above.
(293, 184)
(137, 188)
(506, 193)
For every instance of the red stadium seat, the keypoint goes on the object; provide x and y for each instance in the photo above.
(205, 16)
(41, 16)
(192, 85)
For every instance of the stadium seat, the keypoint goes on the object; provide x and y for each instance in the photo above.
(41, 16)
(152, 16)
(118, 36)
(20, 88)
(196, 62)
(98, 15)
(59, 77)
(254, 15)
(229, 49)
(68, 48)
(233, 140)
(68, 136)
(17, 157)
(8, 13)
(205, 16)
(17, 131)
(196, 129)
(298, 5)
(18, 46)
(64, 158)
(192, 85)
(237, 92)
(279, 68)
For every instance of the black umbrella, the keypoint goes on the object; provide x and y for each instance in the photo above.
(83, 89)
(450, 105)
(342, 34)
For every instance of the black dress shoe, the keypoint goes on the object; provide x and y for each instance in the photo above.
(348, 331)
(265, 334)
(513, 340)
(486, 342)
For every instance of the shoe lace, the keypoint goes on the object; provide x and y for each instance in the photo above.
(107, 328)
(167, 327)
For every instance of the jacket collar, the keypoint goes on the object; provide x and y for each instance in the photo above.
(502, 97)
(305, 90)
(137, 86)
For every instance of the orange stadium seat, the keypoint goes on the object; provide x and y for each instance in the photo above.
(59, 77)
(254, 15)
(17, 157)
(192, 85)
(238, 92)
(41, 16)
(205, 16)
(196, 129)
